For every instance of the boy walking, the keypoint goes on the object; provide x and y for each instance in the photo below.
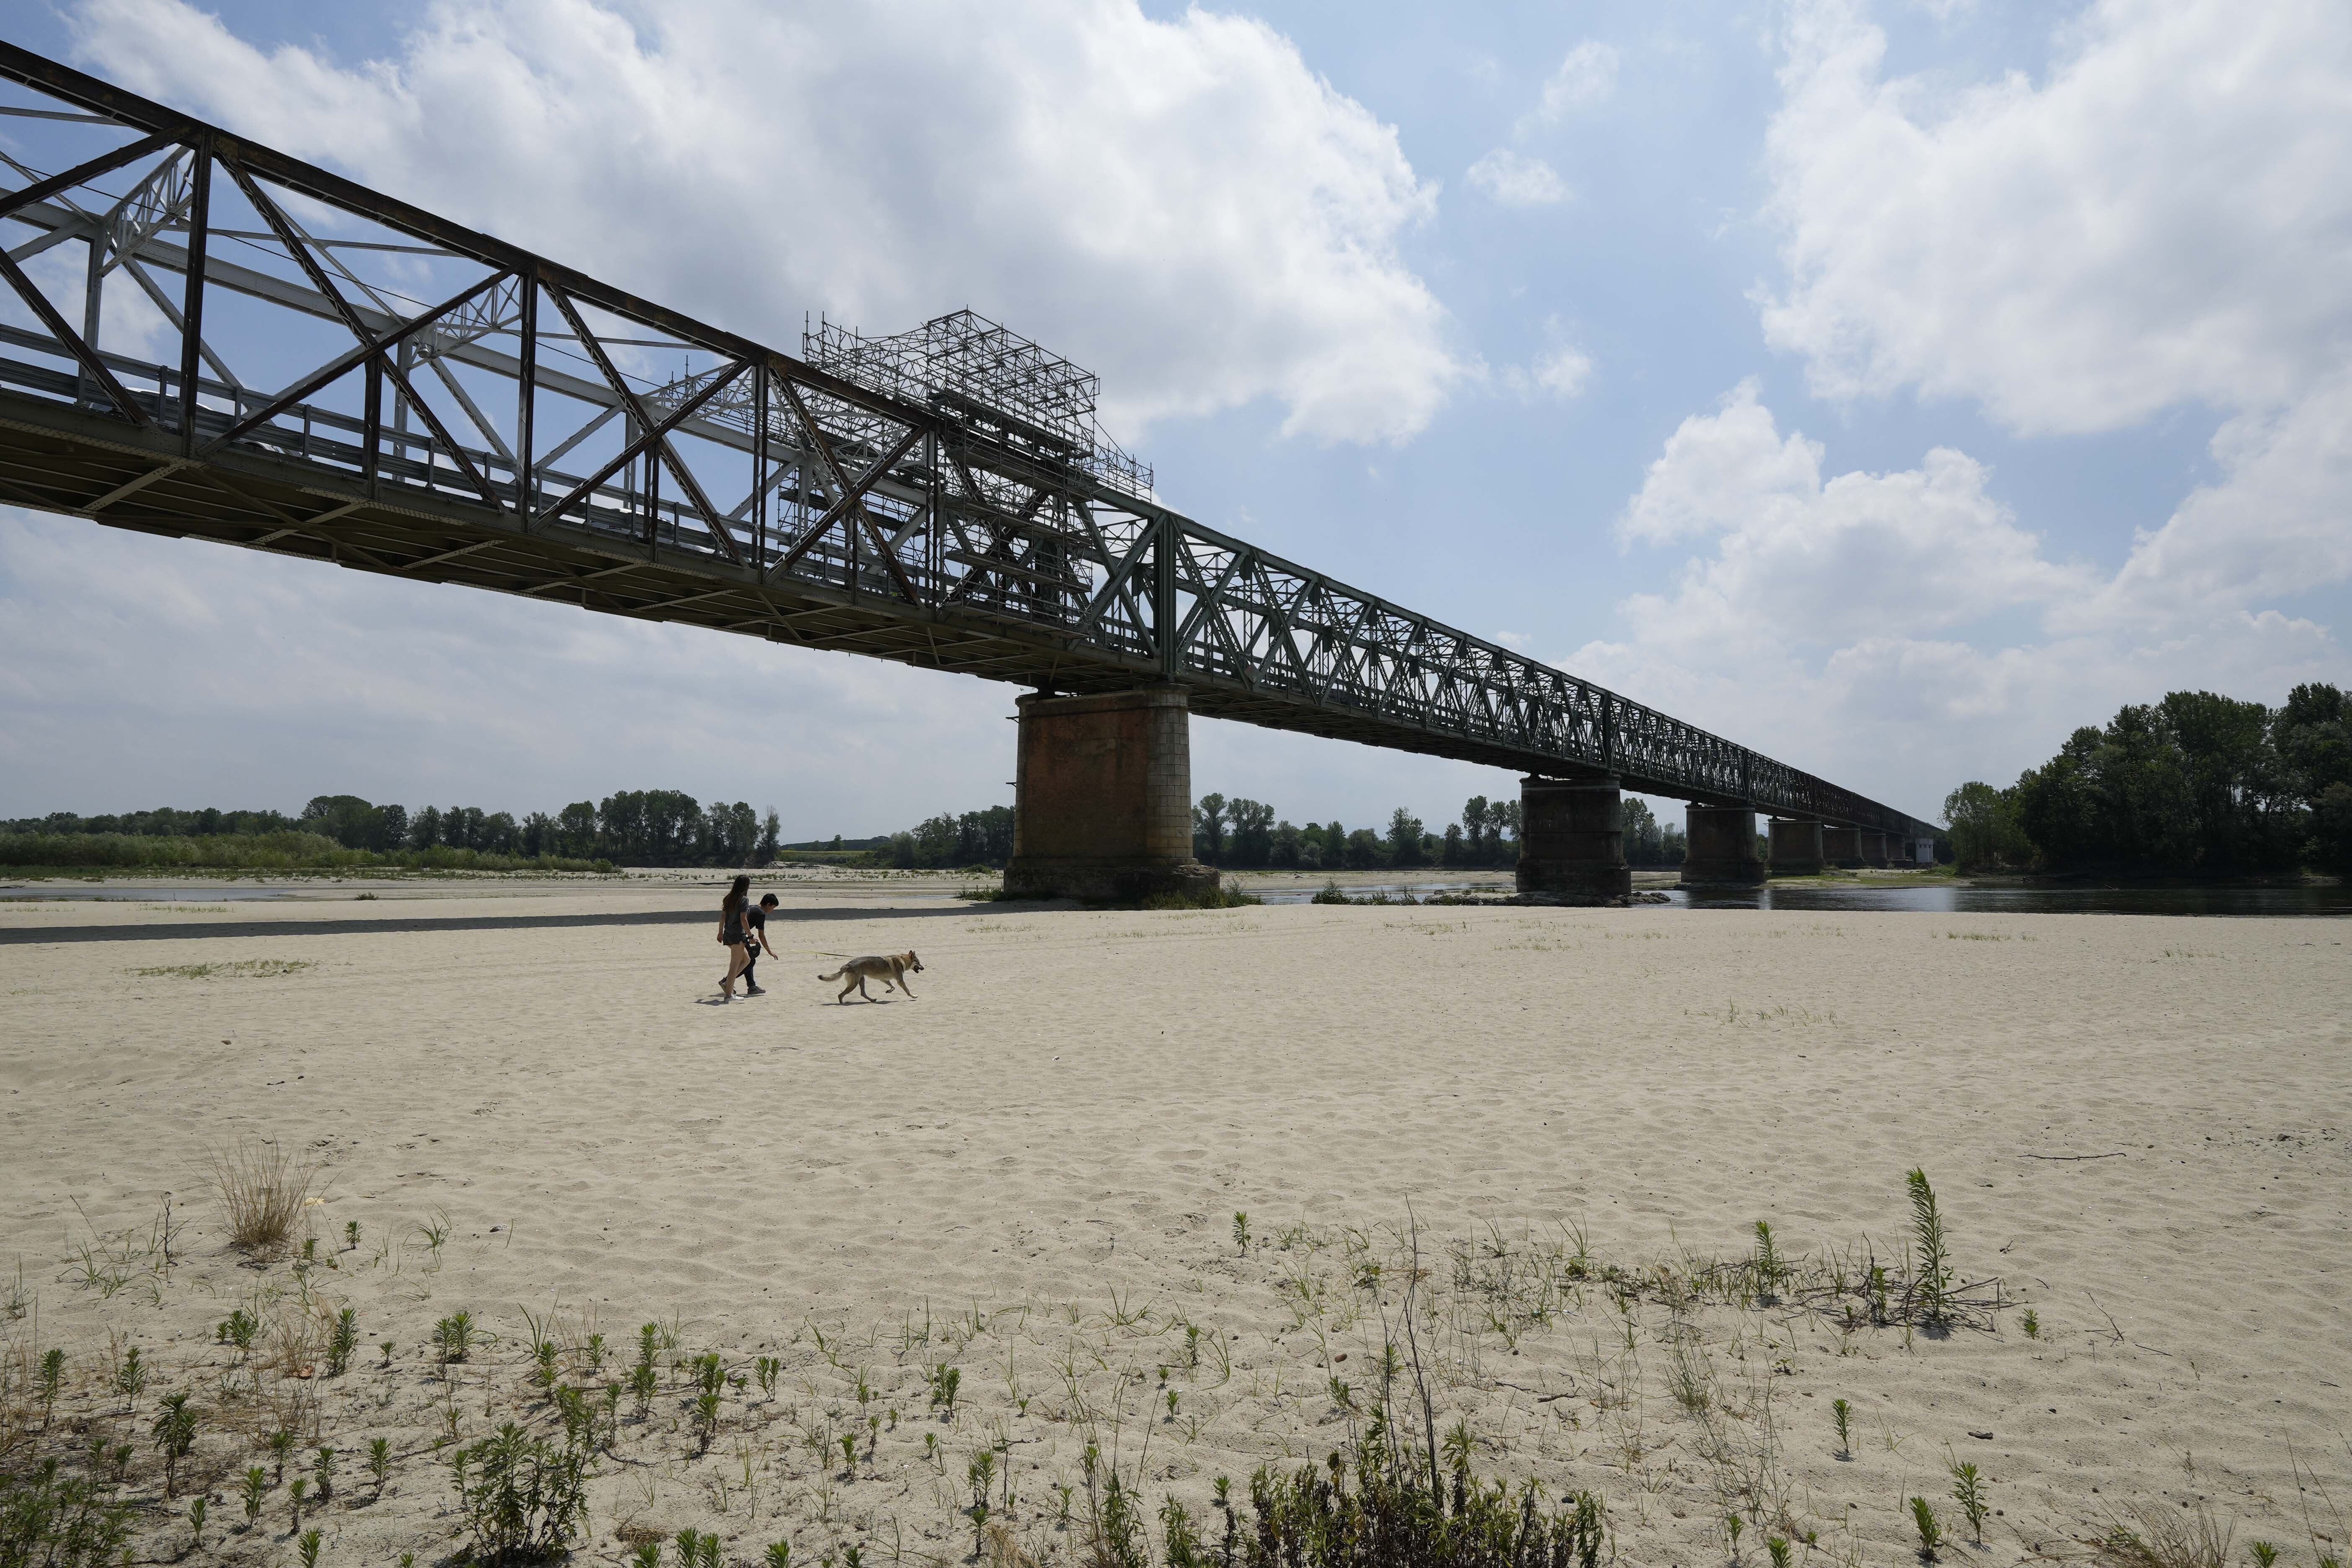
(755, 924)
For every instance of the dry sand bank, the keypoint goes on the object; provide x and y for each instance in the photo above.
(1031, 1172)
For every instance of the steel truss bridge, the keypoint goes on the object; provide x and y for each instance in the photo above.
(362, 382)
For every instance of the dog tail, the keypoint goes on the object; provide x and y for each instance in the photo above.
(836, 974)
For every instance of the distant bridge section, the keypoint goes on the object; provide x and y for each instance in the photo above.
(348, 378)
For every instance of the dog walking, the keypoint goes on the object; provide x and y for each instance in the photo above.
(890, 968)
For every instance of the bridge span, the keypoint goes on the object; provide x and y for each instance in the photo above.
(353, 380)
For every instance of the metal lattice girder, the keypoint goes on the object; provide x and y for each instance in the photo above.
(942, 499)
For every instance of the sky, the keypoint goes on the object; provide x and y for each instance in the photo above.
(1893, 388)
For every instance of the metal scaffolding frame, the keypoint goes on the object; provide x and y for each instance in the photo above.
(944, 497)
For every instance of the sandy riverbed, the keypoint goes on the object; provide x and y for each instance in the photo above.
(1031, 1172)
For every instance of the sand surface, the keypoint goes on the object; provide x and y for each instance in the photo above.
(1030, 1171)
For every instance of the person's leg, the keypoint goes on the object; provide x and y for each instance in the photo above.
(736, 956)
(750, 971)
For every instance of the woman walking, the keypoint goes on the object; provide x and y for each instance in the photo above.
(731, 932)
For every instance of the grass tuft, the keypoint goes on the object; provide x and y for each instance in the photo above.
(263, 1185)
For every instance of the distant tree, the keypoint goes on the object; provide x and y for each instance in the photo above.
(1250, 838)
(395, 827)
(1475, 830)
(1644, 843)
(1451, 851)
(347, 820)
(1404, 839)
(1209, 830)
(1365, 850)
(1283, 853)
(1984, 829)
(576, 829)
(424, 833)
(763, 853)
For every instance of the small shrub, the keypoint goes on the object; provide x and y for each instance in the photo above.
(523, 1498)
(1841, 1416)
(1329, 893)
(453, 1336)
(2031, 1323)
(263, 1186)
(256, 1483)
(175, 1431)
(48, 1519)
(379, 1462)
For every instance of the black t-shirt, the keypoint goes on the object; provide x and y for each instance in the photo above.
(755, 927)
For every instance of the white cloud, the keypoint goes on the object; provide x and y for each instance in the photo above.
(1901, 632)
(1584, 78)
(2163, 221)
(1182, 205)
(1516, 181)
(1563, 371)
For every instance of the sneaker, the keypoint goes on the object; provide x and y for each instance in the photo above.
(755, 991)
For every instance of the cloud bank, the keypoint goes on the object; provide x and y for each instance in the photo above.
(1181, 206)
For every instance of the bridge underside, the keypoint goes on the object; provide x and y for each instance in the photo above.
(62, 460)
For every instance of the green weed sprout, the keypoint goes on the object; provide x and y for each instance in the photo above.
(1931, 1262)
(51, 1382)
(196, 1510)
(1240, 1230)
(131, 1378)
(281, 1444)
(453, 1336)
(1841, 1415)
(648, 1555)
(778, 1555)
(1777, 1549)
(308, 1548)
(379, 1462)
(1967, 1491)
(2031, 1323)
(1931, 1533)
(175, 1432)
(2265, 1553)
(341, 1340)
(323, 1467)
(1767, 1266)
(765, 1369)
(257, 1482)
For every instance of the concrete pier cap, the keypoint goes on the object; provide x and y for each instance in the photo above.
(1102, 805)
(1572, 839)
(1722, 848)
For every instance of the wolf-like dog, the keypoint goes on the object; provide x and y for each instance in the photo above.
(890, 969)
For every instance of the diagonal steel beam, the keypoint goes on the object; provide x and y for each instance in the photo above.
(854, 495)
(82, 173)
(657, 430)
(71, 341)
(301, 252)
(344, 364)
(639, 447)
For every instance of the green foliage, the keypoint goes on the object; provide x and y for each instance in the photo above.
(1312, 1518)
(1931, 1532)
(255, 1484)
(341, 1340)
(307, 1547)
(175, 1431)
(1768, 1266)
(1967, 1491)
(1841, 1417)
(943, 1379)
(453, 1336)
(1984, 830)
(379, 1462)
(524, 1499)
(2197, 784)
(1931, 1263)
(2030, 1323)
(59, 1522)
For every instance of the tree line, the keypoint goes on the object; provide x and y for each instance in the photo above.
(631, 827)
(1241, 834)
(2197, 784)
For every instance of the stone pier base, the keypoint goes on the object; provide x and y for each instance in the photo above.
(1722, 848)
(1102, 807)
(1841, 846)
(1874, 848)
(1572, 839)
(1796, 847)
